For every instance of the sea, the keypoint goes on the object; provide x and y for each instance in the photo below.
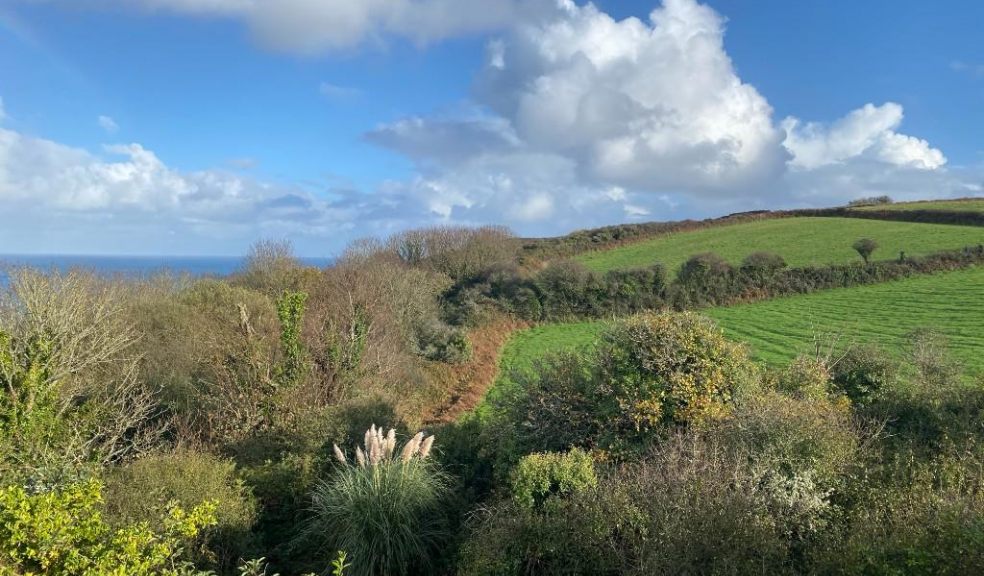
(135, 266)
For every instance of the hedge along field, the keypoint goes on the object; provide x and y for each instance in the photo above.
(801, 241)
(952, 303)
(778, 330)
(969, 205)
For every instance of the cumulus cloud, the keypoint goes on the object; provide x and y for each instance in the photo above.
(867, 132)
(576, 120)
(127, 191)
(108, 124)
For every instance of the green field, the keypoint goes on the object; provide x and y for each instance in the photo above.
(801, 241)
(952, 303)
(970, 205)
(778, 330)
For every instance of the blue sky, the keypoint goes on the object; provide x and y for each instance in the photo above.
(199, 126)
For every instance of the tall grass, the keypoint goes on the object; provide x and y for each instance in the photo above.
(385, 510)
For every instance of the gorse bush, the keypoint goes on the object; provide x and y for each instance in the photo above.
(384, 507)
(138, 492)
(62, 533)
(649, 373)
(668, 367)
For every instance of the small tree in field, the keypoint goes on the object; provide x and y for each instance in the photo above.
(865, 247)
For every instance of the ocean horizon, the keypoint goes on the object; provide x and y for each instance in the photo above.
(135, 266)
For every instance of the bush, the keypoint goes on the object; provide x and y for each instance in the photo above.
(870, 201)
(138, 491)
(649, 373)
(439, 342)
(62, 533)
(540, 476)
(865, 247)
(385, 509)
(862, 373)
(687, 508)
(931, 521)
(565, 290)
(661, 368)
(763, 262)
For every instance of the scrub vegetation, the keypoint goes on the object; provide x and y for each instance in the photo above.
(745, 397)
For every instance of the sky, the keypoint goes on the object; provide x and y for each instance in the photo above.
(196, 127)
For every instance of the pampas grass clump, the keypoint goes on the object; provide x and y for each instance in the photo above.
(384, 507)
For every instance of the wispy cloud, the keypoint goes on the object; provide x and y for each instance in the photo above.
(976, 70)
(108, 124)
(338, 92)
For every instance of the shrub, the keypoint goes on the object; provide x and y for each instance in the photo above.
(929, 354)
(659, 368)
(865, 247)
(138, 491)
(439, 342)
(539, 476)
(763, 262)
(870, 201)
(62, 533)
(384, 509)
(688, 508)
(290, 311)
(805, 377)
(564, 288)
(931, 521)
(862, 372)
(795, 436)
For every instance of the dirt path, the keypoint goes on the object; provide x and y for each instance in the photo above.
(469, 381)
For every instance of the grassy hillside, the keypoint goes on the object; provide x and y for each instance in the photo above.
(952, 303)
(968, 205)
(778, 330)
(801, 241)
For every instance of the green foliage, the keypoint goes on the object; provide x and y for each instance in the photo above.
(666, 367)
(138, 491)
(863, 372)
(865, 247)
(62, 532)
(442, 343)
(648, 373)
(800, 241)
(539, 476)
(290, 311)
(386, 510)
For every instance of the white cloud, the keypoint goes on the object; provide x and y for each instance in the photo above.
(314, 26)
(128, 199)
(108, 124)
(643, 104)
(975, 70)
(577, 120)
(866, 132)
(335, 91)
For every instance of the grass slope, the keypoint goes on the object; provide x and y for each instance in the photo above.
(884, 314)
(532, 344)
(801, 241)
(778, 330)
(966, 205)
